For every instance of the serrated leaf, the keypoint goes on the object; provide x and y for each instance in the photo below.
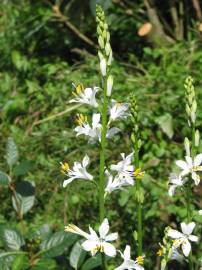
(4, 179)
(12, 239)
(166, 124)
(11, 152)
(77, 255)
(57, 243)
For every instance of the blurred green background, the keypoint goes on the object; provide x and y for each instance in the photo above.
(45, 45)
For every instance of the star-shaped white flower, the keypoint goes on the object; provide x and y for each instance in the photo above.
(174, 182)
(191, 166)
(85, 96)
(94, 131)
(127, 262)
(78, 171)
(118, 110)
(125, 169)
(113, 183)
(95, 243)
(183, 239)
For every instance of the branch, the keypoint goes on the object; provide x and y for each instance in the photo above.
(72, 27)
(197, 8)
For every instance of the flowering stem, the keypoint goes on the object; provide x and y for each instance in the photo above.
(139, 207)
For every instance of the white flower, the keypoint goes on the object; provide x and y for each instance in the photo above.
(118, 110)
(182, 239)
(200, 212)
(174, 182)
(114, 183)
(78, 171)
(125, 169)
(85, 96)
(95, 243)
(191, 166)
(94, 131)
(128, 263)
(103, 67)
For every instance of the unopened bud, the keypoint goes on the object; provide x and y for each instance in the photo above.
(109, 59)
(101, 42)
(187, 146)
(103, 67)
(100, 55)
(110, 81)
(197, 138)
(107, 48)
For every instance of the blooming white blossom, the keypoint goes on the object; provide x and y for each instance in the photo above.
(191, 166)
(174, 182)
(183, 239)
(94, 131)
(128, 263)
(125, 169)
(113, 183)
(85, 96)
(78, 171)
(95, 243)
(118, 110)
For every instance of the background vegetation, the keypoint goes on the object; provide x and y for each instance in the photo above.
(44, 47)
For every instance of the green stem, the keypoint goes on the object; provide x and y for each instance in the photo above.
(103, 155)
(139, 207)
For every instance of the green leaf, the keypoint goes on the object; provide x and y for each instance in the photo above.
(11, 152)
(92, 262)
(77, 255)
(166, 124)
(12, 239)
(23, 168)
(20, 262)
(57, 243)
(45, 264)
(4, 179)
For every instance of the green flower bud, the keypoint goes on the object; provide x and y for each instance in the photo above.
(187, 146)
(101, 42)
(197, 138)
(110, 81)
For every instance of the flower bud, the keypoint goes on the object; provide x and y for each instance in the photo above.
(101, 42)
(103, 67)
(197, 138)
(110, 81)
(107, 48)
(100, 55)
(109, 59)
(187, 146)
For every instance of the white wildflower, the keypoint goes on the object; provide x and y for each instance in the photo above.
(78, 171)
(113, 183)
(125, 169)
(183, 239)
(118, 110)
(95, 243)
(85, 96)
(128, 263)
(191, 166)
(174, 182)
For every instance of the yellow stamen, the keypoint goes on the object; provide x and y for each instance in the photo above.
(160, 252)
(140, 260)
(78, 89)
(138, 173)
(64, 167)
(81, 119)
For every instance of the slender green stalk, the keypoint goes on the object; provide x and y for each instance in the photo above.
(103, 154)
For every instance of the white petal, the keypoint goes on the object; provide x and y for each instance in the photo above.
(126, 253)
(189, 161)
(186, 248)
(188, 228)
(68, 181)
(85, 161)
(198, 160)
(111, 237)
(109, 249)
(88, 245)
(174, 234)
(193, 238)
(182, 164)
(95, 120)
(112, 131)
(171, 190)
(196, 178)
(93, 234)
(104, 228)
